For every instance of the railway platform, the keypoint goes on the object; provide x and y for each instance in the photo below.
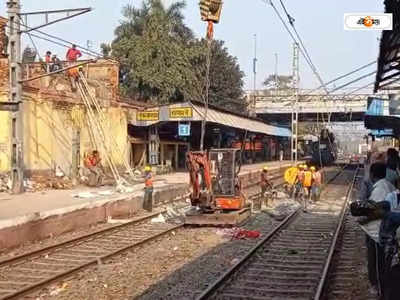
(39, 215)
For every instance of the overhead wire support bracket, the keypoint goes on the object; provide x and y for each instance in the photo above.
(75, 12)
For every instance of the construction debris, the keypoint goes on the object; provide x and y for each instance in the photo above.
(40, 183)
(5, 183)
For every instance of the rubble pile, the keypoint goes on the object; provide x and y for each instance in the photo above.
(40, 183)
(5, 183)
(283, 206)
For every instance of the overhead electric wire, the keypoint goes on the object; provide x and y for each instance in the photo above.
(353, 81)
(50, 36)
(350, 73)
(303, 51)
(333, 80)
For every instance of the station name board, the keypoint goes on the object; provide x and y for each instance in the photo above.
(147, 115)
(181, 113)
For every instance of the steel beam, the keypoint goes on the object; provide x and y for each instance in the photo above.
(78, 11)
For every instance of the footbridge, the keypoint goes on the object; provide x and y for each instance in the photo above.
(312, 107)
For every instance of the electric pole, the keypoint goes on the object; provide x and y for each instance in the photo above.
(276, 73)
(15, 97)
(295, 107)
(255, 74)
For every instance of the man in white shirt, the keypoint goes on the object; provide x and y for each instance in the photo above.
(380, 189)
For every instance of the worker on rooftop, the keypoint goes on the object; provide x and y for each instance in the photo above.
(56, 63)
(148, 189)
(47, 59)
(73, 54)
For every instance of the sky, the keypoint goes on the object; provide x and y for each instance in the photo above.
(333, 50)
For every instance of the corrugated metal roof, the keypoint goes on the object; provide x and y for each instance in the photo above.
(218, 117)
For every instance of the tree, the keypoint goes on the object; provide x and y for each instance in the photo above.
(225, 76)
(162, 62)
(151, 43)
(105, 49)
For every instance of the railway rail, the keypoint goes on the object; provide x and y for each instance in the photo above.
(293, 260)
(347, 260)
(31, 271)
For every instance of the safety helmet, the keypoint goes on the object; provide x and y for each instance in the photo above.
(265, 168)
(305, 167)
(147, 168)
(312, 168)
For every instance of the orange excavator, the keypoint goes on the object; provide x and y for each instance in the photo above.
(216, 189)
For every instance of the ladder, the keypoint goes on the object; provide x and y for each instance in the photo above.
(98, 125)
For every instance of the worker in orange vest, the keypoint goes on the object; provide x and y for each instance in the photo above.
(307, 183)
(148, 189)
(93, 164)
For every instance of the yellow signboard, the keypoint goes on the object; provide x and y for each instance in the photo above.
(147, 115)
(180, 113)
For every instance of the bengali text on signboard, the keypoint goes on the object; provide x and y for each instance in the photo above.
(180, 113)
(147, 115)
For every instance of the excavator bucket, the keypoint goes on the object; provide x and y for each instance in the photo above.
(210, 10)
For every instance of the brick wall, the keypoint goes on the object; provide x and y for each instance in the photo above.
(3, 23)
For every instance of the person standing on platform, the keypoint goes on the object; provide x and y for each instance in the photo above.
(148, 189)
(380, 189)
(392, 166)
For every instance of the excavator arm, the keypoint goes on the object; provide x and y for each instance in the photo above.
(198, 166)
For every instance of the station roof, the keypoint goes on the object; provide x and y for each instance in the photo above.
(389, 52)
(194, 111)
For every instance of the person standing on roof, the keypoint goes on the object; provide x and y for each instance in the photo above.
(148, 189)
(73, 54)
(47, 59)
(266, 186)
(56, 63)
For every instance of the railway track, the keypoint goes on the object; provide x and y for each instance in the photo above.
(293, 260)
(31, 271)
(347, 261)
